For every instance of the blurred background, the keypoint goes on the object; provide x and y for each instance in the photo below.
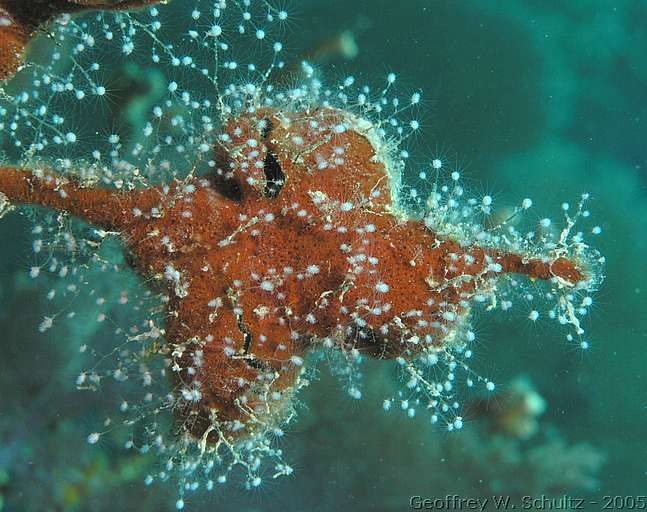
(538, 98)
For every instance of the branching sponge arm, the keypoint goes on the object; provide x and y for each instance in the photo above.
(109, 209)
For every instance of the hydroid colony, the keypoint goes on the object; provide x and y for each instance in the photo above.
(266, 222)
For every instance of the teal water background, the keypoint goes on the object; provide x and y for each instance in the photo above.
(545, 99)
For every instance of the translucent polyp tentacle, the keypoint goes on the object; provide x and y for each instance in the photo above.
(109, 209)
